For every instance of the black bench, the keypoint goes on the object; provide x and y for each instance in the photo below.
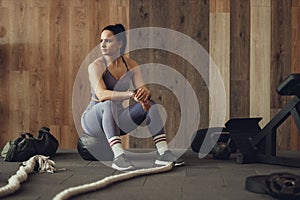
(258, 144)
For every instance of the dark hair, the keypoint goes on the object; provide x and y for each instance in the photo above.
(119, 31)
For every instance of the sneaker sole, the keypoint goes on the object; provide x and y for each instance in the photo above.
(178, 163)
(122, 169)
(160, 162)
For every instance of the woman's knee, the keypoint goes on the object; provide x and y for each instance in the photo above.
(107, 105)
(152, 102)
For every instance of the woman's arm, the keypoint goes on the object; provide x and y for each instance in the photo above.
(95, 70)
(142, 92)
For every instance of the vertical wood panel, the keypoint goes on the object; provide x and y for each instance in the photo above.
(39, 97)
(190, 18)
(79, 49)
(4, 69)
(295, 38)
(239, 58)
(280, 61)
(260, 50)
(219, 45)
(19, 100)
(280, 49)
(295, 64)
(59, 52)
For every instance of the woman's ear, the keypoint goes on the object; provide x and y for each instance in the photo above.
(120, 44)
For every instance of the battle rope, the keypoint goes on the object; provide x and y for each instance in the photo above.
(37, 163)
(67, 193)
(41, 164)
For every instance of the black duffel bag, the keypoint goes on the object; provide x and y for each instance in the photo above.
(26, 146)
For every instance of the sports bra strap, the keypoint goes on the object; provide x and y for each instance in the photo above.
(122, 60)
(125, 63)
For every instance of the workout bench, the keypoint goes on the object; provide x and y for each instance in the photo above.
(259, 145)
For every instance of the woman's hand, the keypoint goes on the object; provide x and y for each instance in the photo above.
(146, 105)
(142, 94)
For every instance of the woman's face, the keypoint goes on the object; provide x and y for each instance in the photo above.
(109, 44)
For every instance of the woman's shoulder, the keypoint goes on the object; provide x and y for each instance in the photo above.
(130, 62)
(98, 61)
(97, 65)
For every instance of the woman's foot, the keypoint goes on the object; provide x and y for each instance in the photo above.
(122, 163)
(167, 158)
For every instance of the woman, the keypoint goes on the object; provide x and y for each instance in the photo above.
(110, 78)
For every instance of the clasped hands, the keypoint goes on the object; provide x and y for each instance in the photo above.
(142, 96)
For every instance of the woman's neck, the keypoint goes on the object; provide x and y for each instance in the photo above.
(112, 59)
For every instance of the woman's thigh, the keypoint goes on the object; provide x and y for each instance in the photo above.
(92, 120)
(131, 117)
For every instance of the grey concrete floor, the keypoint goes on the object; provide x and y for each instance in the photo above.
(205, 179)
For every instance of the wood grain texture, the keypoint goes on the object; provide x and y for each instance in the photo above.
(5, 49)
(295, 64)
(280, 49)
(42, 45)
(280, 61)
(219, 6)
(219, 50)
(239, 58)
(260, 50)
(190, 18)
(295, 37)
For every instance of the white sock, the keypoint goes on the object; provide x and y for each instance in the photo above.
(161, 143)
(116, 146)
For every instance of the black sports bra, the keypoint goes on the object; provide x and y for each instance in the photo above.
(112, 83)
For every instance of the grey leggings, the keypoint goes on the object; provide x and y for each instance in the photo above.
(113, 120)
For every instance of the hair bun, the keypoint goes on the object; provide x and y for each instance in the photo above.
(120, 27)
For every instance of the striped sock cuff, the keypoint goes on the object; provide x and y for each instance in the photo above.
(160, 138)
(114, 140)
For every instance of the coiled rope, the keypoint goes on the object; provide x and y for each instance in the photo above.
(36, 163)
(41, 164)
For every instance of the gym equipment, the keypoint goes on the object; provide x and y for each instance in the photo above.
(219, 142)
(221, 151)
(280, 185)
(97, 185)
(94, 148)
(259, 145)
(37, 163)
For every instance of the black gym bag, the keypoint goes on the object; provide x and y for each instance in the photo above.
(27, 145)
(279, 185)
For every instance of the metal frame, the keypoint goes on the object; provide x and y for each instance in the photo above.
(267, 137)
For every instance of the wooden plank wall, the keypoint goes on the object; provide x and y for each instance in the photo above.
(263, 38)
(295, 64)
(260, 50)
(219, 45)
(239, 58)
(190, 18)
(255, 44)
(42, 45)
(280, 62)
